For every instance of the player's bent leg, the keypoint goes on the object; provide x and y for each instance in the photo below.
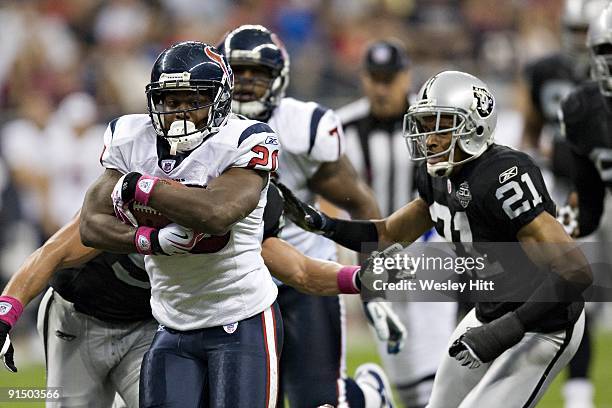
(429, 325)
(312, 364)
(125, 375)
(243, 361)
(529, 366)
(172, 376)
(73, 353)
(454, 382)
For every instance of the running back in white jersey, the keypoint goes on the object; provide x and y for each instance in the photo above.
(230, 282)
(310, 136)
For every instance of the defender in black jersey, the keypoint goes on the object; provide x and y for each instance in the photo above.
(373, 128)
(587, 122)
(96, 319)
(472, 190)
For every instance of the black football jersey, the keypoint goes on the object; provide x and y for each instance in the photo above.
(587, 123)
(115, 287)
(550, 80)
(489, 200)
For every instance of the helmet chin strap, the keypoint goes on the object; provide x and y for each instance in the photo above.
(251, 109)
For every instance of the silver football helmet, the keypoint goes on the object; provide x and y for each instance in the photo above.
(575, 19)
(599, 42)
(450, 103)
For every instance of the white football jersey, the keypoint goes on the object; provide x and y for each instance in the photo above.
(231, 282)
(310, 136)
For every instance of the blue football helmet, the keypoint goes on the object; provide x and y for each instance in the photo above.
(196, 67)
(256, 46)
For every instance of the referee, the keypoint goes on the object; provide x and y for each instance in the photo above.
(373, 127)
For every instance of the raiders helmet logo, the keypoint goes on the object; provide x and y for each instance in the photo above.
(484, 101)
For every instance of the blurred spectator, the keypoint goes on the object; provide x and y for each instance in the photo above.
(72, 155)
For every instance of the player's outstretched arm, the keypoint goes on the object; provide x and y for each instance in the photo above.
(62, 250)
(339, 183)
(308, 275)
(405, 225)
(214, 209)
(100, 228)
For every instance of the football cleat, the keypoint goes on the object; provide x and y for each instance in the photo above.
(372, 375)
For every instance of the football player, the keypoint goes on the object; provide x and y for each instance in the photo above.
(472, 190)
(586, 117)
(210, 290)
(313, 162)
(586, 132)
(373, 126)
(96, 319)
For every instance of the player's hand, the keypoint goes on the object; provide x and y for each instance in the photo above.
(568, 216)
(121, 199)
(175, 239)
(387, 325)
(6, 348)
(303, 215)
(377, 259)
(485, 343)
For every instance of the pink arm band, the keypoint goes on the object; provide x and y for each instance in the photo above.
(144, 240)
(346, 279)
(144, 187)
(10, 310)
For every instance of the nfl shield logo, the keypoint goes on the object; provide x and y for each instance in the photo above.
(167, 165)
(230, 328)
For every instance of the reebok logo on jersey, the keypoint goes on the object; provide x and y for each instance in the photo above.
(145, 185)
(272, 140)
(5, 307)
(508, 174)
(64, 336)
(230, 328)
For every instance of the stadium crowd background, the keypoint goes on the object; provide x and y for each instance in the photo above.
(67, 67)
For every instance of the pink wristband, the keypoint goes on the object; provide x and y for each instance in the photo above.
(346, 279)
(10, 310)
(143, 240)
(144, 187)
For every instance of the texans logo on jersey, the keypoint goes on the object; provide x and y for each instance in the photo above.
(484, 101)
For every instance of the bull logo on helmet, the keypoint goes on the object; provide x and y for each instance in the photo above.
(484, 101)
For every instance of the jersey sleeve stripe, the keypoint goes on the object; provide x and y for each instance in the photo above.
(317, 114)
(252, 130)
(112, 125)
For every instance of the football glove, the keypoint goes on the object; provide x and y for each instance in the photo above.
(175, 239)
(387, 325)
(485, 343)
(303, 215)
(568, 218)
(121, 200)
(6, 348)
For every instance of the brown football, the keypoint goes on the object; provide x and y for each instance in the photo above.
(149, 217)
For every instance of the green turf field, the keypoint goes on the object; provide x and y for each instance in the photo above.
(358, 354)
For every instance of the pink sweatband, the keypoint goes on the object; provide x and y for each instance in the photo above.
(143, 240)
(346, 279)
(144, 187)
(10, 310)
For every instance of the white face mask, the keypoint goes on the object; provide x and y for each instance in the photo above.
(183, 136)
